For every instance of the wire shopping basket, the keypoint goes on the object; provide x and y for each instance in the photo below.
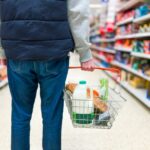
(102, 104)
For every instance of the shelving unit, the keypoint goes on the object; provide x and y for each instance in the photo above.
(108, 40)
(94, 33)
(135, 20)
(97, 40)
(138, 93)
(142, 19)
(125, 21)
(141, 55)
(131, 36)
(123, 49)
(93, 47)
(130, 4)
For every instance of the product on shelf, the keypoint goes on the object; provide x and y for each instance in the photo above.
(141, 65)
(142, 10)
(122, 16)
(145, 67)
(124, 75)
(109, 46)
(124, 44)
(138, 46)
(124, 30)
(137, 82)
(136, 64)
(148, 91)
(146, 46)
(123, 57)
(141, 46)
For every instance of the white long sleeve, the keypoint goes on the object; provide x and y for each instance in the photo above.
(78, 13)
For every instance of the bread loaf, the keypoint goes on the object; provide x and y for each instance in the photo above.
(71, 87)
(98, 103)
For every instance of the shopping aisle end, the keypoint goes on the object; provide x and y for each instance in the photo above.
(129, 132)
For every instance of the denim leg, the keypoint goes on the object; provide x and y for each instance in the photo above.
(23, 86)
(52, 82)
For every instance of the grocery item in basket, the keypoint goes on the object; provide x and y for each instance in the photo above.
(71, 87)
(3, 73)
(104, 89)
(82, 106)
(88, 93)
(99, 105)
(102, 118)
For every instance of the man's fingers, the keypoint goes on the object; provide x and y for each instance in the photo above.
(88, 68)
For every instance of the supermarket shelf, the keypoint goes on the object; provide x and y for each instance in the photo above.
(103, 49)
(3, 83)
(142, 35)
(108, 40)
(125, 21)
(94, 33)
(99, 40)
(138, 93)
(123, 49)
(140, 74)
(130, 4)
(99, 57)
(141, 19)
(119, 37)
(130, 36)
(142, 55)
(96, 40)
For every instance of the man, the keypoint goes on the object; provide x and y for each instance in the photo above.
(37, 36)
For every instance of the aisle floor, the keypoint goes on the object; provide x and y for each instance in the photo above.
(131, 130)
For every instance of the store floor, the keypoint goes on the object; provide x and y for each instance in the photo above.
(131, 131)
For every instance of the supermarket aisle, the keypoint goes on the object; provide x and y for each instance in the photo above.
(130, 131)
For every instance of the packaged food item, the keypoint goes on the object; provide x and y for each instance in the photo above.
(148, 91)
(104, 89)
(3, 72)
(102, 119)
(82, 104)
(137, 82)
(71, 87)
(99, 105)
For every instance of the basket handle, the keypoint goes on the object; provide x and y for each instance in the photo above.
(114, 70)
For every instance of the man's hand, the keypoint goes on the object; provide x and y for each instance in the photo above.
(88, 65)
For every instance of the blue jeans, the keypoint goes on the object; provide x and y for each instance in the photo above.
(24, 77)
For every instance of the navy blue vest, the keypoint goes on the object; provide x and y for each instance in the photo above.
(35, 29)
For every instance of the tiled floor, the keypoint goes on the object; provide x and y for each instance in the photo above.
(131, 130)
